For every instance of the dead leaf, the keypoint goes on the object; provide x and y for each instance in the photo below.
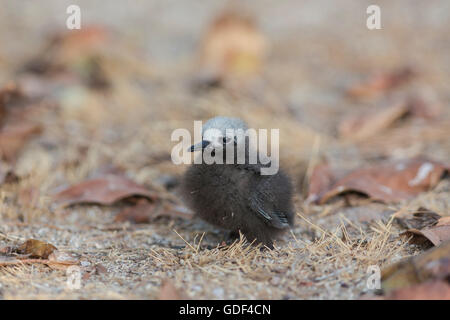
(433, 264)
(361, 126)
(232, 47)
(321, 179)
(389, 182)
(382, 82)
(14, 137)
(140, 213)
(433, 290)
(420, 219)
(368, 123)
(105, 191)
(401, 141)
(435, 234)
(444, 221)
(36, 249)
(16, 121)
(169, 292)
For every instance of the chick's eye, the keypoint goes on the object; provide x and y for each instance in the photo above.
(226, 140)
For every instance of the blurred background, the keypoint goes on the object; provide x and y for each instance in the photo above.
(83, 103)
(135, 72)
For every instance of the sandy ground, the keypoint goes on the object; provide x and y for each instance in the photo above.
(317, 49)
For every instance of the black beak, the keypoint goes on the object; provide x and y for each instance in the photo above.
(199, 146)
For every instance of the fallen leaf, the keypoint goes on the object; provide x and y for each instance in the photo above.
(389, 182)
(321, 179)
(36, 249)
(435, 234)
(420, 219)
(169, 292)
(14, 137)
(433, 264)
(140, 213)
(17, 126)
(106, 191)
(65, 49)
(382, 82)
(74, 56)
(444, 221)
(361, 126)
(232, 47)
(403, 141)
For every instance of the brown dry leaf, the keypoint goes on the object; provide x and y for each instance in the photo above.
(106, 191)
(70, 57)
(435, 234)
(321, 179)
(65, 49)
(16, 125)
(396, 141)
(233, 46)
(444, 221)
(433, 264)
(382, 82)
(169, 292)
(420, 219)
(369, 123)
(389, 182)
(140, 213)
(361, 126)
(432, 290)
(14, 137)
(38, 249)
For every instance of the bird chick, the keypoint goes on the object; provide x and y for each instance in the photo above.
(236, 196)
